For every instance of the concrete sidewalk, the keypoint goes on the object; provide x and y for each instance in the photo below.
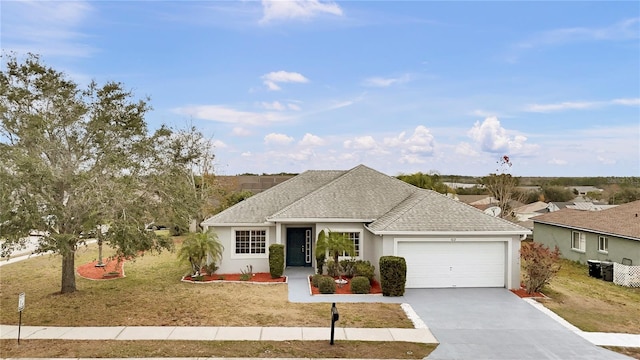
(215, 333)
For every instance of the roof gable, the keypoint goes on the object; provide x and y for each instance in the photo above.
(429, 211)
(361, 193)
(257, 208)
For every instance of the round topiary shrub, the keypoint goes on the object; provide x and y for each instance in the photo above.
(360, 285)
(315, 279)
(364, 268)
(327, 285)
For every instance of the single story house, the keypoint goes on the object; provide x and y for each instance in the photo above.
(445, 243)
(612, 234)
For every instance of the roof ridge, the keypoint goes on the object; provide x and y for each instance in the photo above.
(345, 172)
(405, 205)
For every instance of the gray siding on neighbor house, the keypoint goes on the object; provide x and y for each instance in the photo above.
(619, 248)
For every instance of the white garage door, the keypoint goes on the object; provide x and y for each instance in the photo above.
(453, 264)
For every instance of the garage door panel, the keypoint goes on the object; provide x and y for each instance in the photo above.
(453, 264)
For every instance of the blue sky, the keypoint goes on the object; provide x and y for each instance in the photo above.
(398, 86)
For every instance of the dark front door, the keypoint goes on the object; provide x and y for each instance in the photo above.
(298, 247)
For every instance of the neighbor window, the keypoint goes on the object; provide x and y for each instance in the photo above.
(603, 244)
(251, 241)
(578, 241)
(355, 238)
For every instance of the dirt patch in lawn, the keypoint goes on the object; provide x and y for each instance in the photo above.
(256, 277)
(112, 269)
(346, 288)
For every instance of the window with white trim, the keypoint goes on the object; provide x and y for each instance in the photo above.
(603, 244)
(578, 241)
(251, 242)
(355, 238)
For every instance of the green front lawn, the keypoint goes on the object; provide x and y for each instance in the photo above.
(593, 304)
(151, 294)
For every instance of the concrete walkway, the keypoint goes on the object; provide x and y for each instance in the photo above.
(215, 333)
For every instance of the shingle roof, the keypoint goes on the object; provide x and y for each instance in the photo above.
(257, 208)
(427, 210)
(361, 194)
(623, 220)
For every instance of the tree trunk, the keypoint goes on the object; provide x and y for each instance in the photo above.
(68, 272)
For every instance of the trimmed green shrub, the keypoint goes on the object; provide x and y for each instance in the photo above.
(364, 268)
(360, 285)
(333, 268)
(315, 279)
(393, 275)
(349, 267)
(276, 260)
(327, 285)
(320, 258)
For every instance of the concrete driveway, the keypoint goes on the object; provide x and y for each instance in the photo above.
(495, 324)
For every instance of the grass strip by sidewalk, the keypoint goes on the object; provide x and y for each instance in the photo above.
(247, 349)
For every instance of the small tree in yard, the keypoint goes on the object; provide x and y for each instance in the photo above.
(540, 265)
(201, 250)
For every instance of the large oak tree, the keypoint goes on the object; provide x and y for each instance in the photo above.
(73, 159)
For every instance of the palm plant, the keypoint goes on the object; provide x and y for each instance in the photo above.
(336, 243)
(201, 250)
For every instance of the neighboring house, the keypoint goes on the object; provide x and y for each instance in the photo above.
(612, 234)
(578, 205)
(445, 243)
(584, 190)
(526, 212)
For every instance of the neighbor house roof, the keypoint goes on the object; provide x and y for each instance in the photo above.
(360, 195)
(622, 220)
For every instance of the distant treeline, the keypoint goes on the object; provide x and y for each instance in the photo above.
(598, 181)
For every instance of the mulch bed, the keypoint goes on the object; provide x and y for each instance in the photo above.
(346, 288)
(524, 294)
(112, 270)
(257, 277)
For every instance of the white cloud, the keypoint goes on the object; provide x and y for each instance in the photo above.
(580, 105)
(627, 102)
(228, 115)
(466, 149)
(385, 82)
(239, 131)
(219, 144)
(297, 9)
(421, 142)
(294, 107)
(277, 139)
(311, 140)
(276, 105)
(623, 30)
(246, 154)
(483, 113)
(493, 138)
(605, 161)
(556, 161)
(272, 79)
(51, 28)
(361, 143)
(562, 106)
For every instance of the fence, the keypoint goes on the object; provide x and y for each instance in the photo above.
(626, 275)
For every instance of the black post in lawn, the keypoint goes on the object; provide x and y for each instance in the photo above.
(335, 316)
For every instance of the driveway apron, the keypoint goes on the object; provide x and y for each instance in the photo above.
(495, 324)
